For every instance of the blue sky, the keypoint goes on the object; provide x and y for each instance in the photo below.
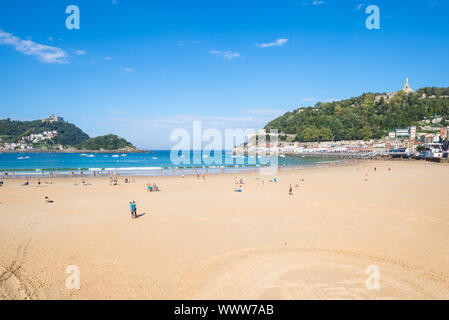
(143, 68)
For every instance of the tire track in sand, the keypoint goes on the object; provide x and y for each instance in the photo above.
(14, 285)
(308, 273)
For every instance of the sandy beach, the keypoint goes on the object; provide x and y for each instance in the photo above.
(199, 239)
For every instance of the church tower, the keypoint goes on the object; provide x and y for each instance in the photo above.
(407, 88)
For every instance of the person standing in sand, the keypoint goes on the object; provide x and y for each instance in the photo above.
(290, 191)
(135, 209)
(131, 209)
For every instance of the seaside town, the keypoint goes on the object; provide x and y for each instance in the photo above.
(400, 142)
(429, 142)
(28, 143)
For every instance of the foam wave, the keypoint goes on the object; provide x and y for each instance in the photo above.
(133, 169)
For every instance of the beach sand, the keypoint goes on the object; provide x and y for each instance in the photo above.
(201, 240)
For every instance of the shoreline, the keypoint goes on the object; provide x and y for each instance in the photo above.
(163, 172)
(76, 151)
(180, 171)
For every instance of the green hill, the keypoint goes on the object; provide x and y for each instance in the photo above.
(68, 136)
(107, 142)
(364, 117)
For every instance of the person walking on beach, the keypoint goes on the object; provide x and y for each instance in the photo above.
(290, 190)
(131, 209)
(135, 209)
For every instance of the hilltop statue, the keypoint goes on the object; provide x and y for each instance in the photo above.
(407, 88)
(390, 95)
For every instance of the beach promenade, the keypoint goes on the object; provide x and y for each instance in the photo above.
(199, 239)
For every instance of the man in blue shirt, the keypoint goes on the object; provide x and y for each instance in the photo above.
(135, 209)
(132, 208)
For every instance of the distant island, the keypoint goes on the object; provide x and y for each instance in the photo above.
(369, 116)
(53, 134)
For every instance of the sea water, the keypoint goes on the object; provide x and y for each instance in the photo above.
(157, 162)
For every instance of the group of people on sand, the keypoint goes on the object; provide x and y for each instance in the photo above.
(83, 183)
(38, 182)
(133, 209)
(113, 181)
(6, 176)
(238, 182)
(367, 175)
(152, 187)
(199, 177)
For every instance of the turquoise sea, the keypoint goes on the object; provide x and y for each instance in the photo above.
(156, 162)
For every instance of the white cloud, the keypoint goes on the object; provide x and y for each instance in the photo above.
(128, 69)
(228, 55)
(80, 52)
(44, 53)
(318, 3)
(107, 58)
(359, 7)
(275, 43)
